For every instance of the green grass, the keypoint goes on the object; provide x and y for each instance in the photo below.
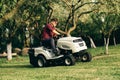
(106, 67)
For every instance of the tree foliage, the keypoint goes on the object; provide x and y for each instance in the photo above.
(75, 16)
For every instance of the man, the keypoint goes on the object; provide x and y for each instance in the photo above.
(48, 33)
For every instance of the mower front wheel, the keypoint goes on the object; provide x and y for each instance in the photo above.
(69, 60)
(86, 57)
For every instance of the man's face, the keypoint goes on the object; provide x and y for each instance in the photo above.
(55, 23)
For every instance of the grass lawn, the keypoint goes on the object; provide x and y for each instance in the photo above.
(102, 67)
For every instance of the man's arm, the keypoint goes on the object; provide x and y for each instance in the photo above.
(56, 32)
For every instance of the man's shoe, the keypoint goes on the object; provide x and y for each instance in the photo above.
(56, 52)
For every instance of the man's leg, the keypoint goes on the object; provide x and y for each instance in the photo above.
(46, 43)
(52, 42)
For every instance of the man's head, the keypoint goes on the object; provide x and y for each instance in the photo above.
(54, 21)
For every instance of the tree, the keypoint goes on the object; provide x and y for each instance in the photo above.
(77, 8)
(7, 25)
(107, 24)
(110, 21)
(14, 14)
(110, 26)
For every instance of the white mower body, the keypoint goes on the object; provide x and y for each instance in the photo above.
(76, 44)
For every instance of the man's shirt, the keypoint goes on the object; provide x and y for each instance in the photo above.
(48, 31)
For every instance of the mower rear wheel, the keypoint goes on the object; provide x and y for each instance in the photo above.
(41, 61)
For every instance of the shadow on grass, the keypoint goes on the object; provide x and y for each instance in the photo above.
(26, 66)
(16, 66)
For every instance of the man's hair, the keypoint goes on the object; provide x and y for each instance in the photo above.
(54, 19)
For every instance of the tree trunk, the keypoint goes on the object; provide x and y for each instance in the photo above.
(114, 40)
(106, 47)
(104, 41)
(92, 42)
(9, 51)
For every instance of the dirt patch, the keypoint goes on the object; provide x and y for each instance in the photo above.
(104, 56)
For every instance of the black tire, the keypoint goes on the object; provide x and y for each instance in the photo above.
(86, 57)
(69, 60)
(41, 61)
(34, 63)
